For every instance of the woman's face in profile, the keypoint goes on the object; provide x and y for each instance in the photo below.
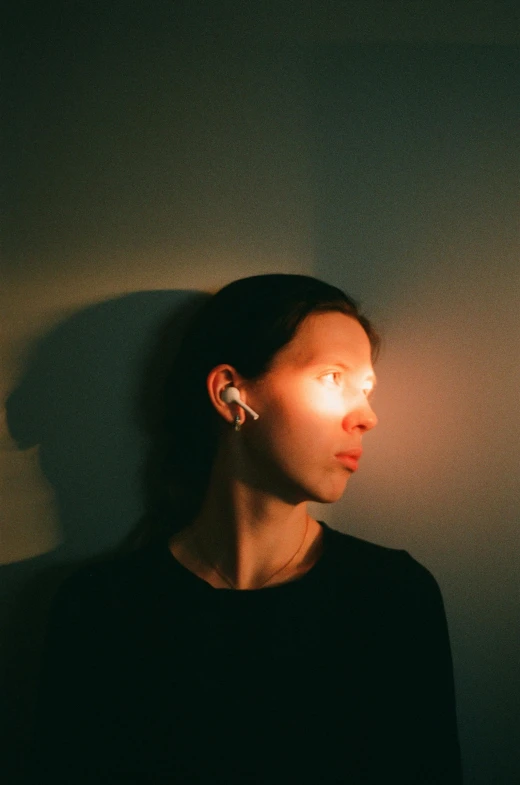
(314, 406)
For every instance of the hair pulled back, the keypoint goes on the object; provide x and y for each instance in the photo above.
(244, 325)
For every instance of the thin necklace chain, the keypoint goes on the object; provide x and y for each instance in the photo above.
(232, 585)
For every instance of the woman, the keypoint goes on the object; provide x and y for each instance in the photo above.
(244, 641)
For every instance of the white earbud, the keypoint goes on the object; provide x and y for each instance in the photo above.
(231, 395)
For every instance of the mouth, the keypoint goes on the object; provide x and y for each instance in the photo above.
(350, 460)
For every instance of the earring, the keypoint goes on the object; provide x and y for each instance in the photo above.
(237, 422)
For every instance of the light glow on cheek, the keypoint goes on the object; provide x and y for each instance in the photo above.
(324, 398)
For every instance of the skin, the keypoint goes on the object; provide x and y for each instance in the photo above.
(314, 402)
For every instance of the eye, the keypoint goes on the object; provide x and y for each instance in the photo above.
(369, 393)
(334, 377)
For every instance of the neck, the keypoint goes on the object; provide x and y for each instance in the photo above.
(246, 535)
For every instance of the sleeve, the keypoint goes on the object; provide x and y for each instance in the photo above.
(67, 744)
(422, 686)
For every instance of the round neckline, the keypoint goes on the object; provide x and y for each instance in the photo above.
(190, 576)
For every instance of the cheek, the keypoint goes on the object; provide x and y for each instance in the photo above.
(297, 429)
(297, 443)
(312, 411)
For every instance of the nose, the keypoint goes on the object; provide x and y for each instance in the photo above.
(361, 418)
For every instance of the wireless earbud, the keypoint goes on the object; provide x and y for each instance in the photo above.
(231, 395)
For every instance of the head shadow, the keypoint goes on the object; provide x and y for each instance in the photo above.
(79, 401)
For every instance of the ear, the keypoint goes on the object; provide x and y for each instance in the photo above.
(218, 379)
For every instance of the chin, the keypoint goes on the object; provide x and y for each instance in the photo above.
(329, 496)
(330, 499)
(323, 488)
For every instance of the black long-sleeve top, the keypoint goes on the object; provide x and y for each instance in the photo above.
(343, 676)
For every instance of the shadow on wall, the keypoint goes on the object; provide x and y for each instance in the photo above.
(77, 405)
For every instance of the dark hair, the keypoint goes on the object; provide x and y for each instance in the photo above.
(244, 325)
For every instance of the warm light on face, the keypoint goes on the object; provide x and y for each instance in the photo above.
(314, 407)
(328, 366)
(333, 390)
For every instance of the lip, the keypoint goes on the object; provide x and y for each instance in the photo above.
(350, 460)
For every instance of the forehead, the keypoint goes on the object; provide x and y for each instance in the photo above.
(327, 337)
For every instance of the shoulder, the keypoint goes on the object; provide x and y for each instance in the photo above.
(379, 565)
(362, 554)
(387, 584)
(102, 586)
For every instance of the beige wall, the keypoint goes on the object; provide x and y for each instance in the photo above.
(172, 154)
